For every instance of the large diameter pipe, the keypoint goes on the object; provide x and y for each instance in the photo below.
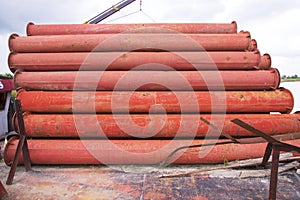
(130, 42)
(154, 126)
(134, 60)
(73, 29)
(149, 80)
(132, 151)
(280, 100)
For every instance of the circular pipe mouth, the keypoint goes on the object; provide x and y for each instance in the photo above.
(16, 74)
(10, 39)
(289, 109)
(10, 141)
(253, 45)
(277, 77)
(15, 123)
(19, 93)
(245, 33)
(9, 62)
(235, 26)
(257, 58)
(28, 32)
(265, 62)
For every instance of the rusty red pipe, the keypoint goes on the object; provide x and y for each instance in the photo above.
(134, 152)
(149, 80)
(265, 62)
(130, 42)
(72, 29)
(254, 45)
(130, 60)
(280, 100)
(70, 126)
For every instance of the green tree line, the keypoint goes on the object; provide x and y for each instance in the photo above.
(290, 77)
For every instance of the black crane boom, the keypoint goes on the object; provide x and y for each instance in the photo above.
(109, 11)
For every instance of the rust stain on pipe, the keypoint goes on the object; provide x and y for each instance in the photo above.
(64, 126)
(75, 152)
(70, 29)
(149, 80)
(130, 42)
(130, 60)
(280, 100)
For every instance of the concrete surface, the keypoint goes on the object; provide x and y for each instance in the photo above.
(140, 182)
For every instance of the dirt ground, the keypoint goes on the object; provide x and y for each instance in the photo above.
(141, 182)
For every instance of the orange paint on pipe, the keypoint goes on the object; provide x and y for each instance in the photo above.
(135, 152)
(130, 42)
(149, 80)
(70, 29)
(130, 60)
(280, 100)
(65, 126)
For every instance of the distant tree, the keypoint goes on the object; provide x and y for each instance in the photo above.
(291, 77)
(6, 76)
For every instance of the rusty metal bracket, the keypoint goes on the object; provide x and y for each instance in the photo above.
(220, 131)
(3, 192)
(165, 162)
(22, 146)
(274, 145)
(231, 139)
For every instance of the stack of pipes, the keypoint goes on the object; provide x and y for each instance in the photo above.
(134, 93)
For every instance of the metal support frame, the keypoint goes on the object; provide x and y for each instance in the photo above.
(22, 145)
(3, 191)
(274, 145)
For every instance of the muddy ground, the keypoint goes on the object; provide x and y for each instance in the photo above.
(142, 182)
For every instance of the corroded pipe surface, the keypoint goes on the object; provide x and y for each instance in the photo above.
(138, 61)
(280, 100)
(149, 80)
(156, 126)
(130, 42)
(71, 29)
(130, 151)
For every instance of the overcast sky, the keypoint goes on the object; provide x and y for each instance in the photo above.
(273, 23)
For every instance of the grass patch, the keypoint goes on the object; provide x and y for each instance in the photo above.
(290, 79)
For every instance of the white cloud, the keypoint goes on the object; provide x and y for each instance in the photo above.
(273, 23)
(287, 65)
(4, 53)
(275, 26)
